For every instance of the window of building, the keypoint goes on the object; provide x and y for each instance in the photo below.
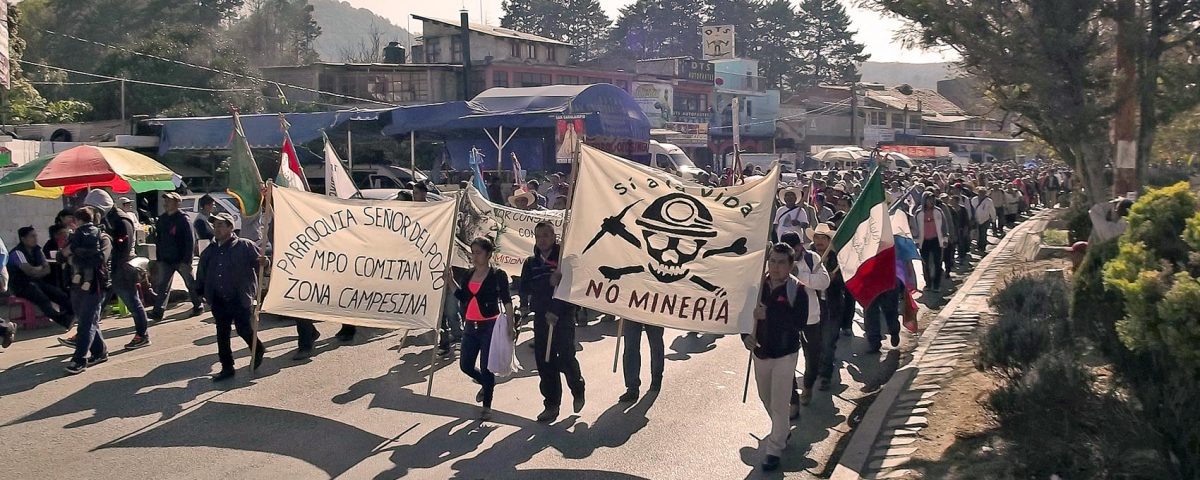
(568, 79)
(897, 120)
(433, 50)
(455, 50)
(516, 49)
(914, 121)
(551, 53)
(499, 79)
(526, 79)
(532, 51)
(595, 80)
(690, 102)
(877, 119)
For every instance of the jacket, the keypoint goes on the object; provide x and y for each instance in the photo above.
(96, 257)
(492, 293)
(779, 334)
(120, 226)
(985, 210)
(537, 293)
(811, 273)
(228, 272)
(939, 220)
(175, 241)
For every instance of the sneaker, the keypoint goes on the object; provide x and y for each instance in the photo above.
(137, 342)
(771, 463)
(258, 356)
(67, 342)
(97, 360)
(76, 368)
(823, 385)
(577, 405)
(848, 333)
(629, 396)
(197, 310)
(7, 340)
(895, 337)
(805, 397)
(156, 315)
(479, 396)
(223, 375)
(548, 415)
(443, 350)
(302, 354)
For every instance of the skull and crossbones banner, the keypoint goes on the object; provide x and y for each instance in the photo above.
(645, 245)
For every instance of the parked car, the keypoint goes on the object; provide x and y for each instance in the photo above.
(401, 194)
(190, 205)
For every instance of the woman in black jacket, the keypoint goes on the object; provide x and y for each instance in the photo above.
(480, 294)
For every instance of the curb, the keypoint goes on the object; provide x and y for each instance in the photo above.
(879, 445)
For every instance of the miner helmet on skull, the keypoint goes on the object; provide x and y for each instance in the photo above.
(680, 215)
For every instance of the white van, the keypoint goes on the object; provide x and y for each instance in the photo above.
(671, 158)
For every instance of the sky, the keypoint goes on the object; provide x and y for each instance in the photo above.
(874, 30)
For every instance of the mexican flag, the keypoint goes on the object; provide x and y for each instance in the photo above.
(865, 246)
(290, 174)
(245, 184)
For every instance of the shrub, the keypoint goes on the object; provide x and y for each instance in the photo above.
(1043, 295)
(1055, 422)
(1012, 345)
(1079, 224)
(1032, 319)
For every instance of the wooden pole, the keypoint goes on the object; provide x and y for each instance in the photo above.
(432, 363)
(403, 339)
(258, 294)
(746, 385)
(754, 331)
(550, 337)
(617, 350)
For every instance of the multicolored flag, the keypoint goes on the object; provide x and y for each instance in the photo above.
(290, 174)
(476, 159)
(866, 246)
(245, 183)
(518, 173)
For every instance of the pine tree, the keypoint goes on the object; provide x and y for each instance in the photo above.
(826, 44)
(579, 22)
(657, 28)
(777, 54)
(745, 16)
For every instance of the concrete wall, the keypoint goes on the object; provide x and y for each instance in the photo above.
(17, 211)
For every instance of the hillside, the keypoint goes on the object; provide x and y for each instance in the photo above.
(344, 26)
(919, 75)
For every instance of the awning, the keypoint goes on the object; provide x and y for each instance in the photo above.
(972, 140)
(262, 130)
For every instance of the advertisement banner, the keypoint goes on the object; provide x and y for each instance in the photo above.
(655, 101)
(643, 246)
(916, 151)
(717, 42)
(568, 135)
(331, 264)
(510, 229)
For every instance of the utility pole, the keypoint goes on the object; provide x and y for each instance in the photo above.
(466, 53)
(122, 99)
(854, 115)
(1124, 126)
(737, 130)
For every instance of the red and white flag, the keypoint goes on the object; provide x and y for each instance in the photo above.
(290, 174)
(866, 246)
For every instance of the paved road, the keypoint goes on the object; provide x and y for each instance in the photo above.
(358, 410)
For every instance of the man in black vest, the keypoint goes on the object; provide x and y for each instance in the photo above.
(539, 277)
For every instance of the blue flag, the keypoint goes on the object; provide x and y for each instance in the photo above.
(476, 159)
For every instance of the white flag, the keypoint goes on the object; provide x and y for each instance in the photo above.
(331, 265)
(645, 245)
(337, 181)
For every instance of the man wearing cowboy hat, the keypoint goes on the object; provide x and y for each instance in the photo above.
(984, 212)
(523, 200)
(791, 216)
(229, 280)
(834, 303)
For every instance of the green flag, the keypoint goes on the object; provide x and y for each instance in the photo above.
(245, 184)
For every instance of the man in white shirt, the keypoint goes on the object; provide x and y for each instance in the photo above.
(984, 212)
(790, 217)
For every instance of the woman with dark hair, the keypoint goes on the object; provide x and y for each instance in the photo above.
(480, 293)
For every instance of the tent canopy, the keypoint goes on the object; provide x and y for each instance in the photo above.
(608, 110)
(262, 131)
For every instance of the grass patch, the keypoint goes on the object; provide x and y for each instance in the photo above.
(1055, 238)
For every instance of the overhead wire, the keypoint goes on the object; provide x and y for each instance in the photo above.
(216, 70)
(142, 82)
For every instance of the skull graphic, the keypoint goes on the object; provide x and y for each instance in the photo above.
(676, 228)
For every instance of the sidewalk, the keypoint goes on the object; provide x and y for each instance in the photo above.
(879, 446)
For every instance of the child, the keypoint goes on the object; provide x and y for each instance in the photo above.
(85, 238)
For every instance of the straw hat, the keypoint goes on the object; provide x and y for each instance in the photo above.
(525, 196)
(822, 229)
(794, 190)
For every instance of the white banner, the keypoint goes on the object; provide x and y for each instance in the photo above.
(511, 229)
(371, 263)
(646, 246)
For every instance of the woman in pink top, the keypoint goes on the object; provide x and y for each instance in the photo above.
(481, 293)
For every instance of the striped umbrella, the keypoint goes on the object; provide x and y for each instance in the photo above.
(86, 167)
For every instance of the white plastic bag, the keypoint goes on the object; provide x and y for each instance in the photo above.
(502, 356)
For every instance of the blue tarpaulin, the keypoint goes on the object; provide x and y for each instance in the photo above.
(262, 131)
(611, 116)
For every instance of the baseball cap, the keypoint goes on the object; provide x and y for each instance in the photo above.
(221, 217)
(172, 196)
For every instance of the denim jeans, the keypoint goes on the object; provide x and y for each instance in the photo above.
(633, 353)
(982, 241)
(127, 292)
(164, 272)
(885, 310)
(931, 263)
(87, 306)
(451, 325)
(476, 343)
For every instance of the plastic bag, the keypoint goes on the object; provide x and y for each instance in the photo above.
(502, 354)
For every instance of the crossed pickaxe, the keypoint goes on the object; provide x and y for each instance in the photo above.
(613, 226)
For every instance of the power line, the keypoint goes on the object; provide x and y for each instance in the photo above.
(142, 82)
(98, 82)
(818, 111)
(216, 70)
